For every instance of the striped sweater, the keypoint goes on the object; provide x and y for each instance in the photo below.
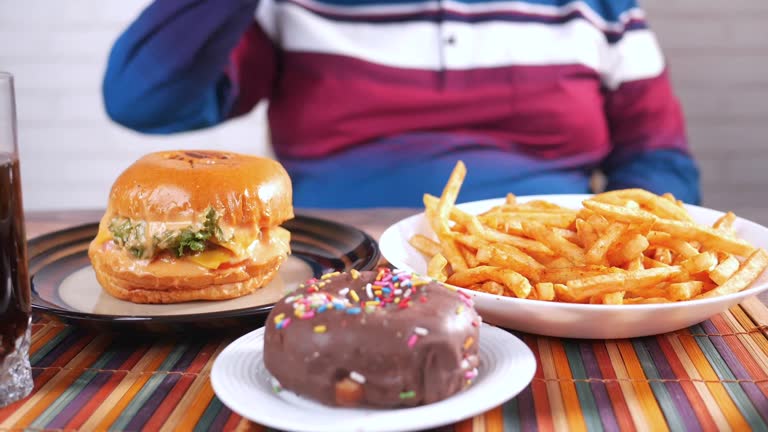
(371, 102)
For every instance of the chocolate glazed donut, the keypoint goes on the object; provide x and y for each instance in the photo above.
(377, 339)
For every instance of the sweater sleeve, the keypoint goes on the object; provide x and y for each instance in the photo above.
(647, 128)
(188, 64)
(650, 149)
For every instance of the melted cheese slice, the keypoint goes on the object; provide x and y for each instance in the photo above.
(103, 236)
(241, 242)
(211, 259)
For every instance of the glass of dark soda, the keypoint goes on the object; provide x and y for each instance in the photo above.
(15, 309)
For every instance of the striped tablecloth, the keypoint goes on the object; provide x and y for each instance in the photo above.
(712, 376)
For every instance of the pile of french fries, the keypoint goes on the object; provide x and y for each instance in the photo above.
(623, 247)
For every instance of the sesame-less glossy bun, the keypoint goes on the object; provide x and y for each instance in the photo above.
(377, 339)
(174, 185)
(193, 225)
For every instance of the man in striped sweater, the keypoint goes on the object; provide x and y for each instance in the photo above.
(371, 102)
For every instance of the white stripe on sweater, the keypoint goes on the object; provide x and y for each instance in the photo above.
(520, 7)
(420, 45)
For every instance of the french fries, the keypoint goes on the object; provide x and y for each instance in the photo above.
(545, 291)
(685, 290)
(724, 270)
(750, 270)
(597, 253)
(725, 223)
(511, 280)
(622, 247)
(586, 233)
(425, 245)
(436, 267)
(583, 289)
(703, 262)
(540, 232)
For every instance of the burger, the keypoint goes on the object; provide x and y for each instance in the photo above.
(193, 225)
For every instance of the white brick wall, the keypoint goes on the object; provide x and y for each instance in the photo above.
(717, 50)
(718, 56)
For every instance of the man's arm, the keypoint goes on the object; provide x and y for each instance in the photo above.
(650, 146)
(181, 66)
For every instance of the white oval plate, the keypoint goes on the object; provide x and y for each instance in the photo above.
(245, 386)
(577, 320)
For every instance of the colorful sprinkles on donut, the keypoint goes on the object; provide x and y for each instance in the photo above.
(389, 289)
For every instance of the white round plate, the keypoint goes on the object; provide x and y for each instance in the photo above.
(577, 320)
(243, 384)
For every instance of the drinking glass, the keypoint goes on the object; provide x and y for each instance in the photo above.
(15, 309)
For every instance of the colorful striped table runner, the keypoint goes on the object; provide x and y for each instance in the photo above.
(711, 376)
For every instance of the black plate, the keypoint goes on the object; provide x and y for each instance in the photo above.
(63, 281)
